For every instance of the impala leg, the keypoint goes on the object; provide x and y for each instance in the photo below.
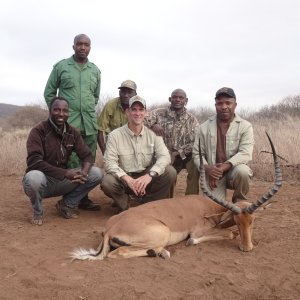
(214, 234)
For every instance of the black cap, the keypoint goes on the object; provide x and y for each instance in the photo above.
(225, 91)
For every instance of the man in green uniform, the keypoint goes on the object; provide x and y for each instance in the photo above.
(113, 113)
(78, 80)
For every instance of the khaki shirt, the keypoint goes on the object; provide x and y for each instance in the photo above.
(125, 152)
(239, 142)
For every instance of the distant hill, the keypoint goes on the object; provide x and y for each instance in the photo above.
(8, 109)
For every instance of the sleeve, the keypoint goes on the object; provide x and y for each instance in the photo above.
(103, 120)
(52, 86)
(111, 157)
(245, 147)
(151, 119)
(97, 90)
(35, 156)
(162, 155)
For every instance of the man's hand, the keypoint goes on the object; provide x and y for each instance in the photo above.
(215, 173)
(76, 176)
(173, 156)
(138, 185)
(158, 130)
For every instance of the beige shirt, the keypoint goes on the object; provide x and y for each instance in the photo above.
(126, 152)
(239, 142)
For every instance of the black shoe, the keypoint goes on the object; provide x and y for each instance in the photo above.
(87, 204)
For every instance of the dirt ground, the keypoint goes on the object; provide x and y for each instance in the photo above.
(35, 264)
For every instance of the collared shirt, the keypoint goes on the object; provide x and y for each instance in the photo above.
(179, 129)
(112, 116)
(239, 142)
(80, 85)
(126, 152)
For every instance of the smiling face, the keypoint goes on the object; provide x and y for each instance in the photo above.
(59, 112)
(136, 114)
(81, 47)
(225, 107)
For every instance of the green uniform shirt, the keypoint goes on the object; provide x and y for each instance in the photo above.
(80, 85)
(112, 116)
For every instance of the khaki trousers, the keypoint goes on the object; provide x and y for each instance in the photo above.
(161, 187)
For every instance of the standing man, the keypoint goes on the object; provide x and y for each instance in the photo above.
(113, 113)
(78, 80)
(177, 127)
(137, 161)
(49, 146)
(226, 143)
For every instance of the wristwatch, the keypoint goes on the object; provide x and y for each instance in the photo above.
(153, 173)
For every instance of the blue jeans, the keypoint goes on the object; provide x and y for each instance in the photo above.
(37, 186)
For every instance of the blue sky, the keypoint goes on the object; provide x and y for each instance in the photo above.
(199, 46)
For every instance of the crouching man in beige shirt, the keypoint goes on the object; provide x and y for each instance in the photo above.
(137, 161)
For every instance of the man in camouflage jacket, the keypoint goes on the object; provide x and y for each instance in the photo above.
(177, 126)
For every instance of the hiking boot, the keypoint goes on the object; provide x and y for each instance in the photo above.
(87, 204)
(66, 211)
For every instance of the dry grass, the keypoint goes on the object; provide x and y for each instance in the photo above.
(283, 133)
(13, 151)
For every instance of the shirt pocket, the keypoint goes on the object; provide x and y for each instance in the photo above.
(126, 159)
(232, 145)
(67, 82)
(147, 158)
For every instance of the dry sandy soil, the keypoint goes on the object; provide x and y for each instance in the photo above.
(35, 263)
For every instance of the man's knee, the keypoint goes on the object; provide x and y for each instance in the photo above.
(242, 171)
(95, 174)
(108, 182)
(34, 180)
(171, 174)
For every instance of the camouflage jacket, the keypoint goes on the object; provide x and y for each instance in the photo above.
(179, 129)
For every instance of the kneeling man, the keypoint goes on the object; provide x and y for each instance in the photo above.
(49, 146)
(137, 161)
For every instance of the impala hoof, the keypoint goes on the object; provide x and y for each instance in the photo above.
(190, 242)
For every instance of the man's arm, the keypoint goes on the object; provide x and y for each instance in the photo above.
(101, 141)
(35, 156)
(97, 90)
(162, 156)
(244, 146)
(111, 156)
(51, 86)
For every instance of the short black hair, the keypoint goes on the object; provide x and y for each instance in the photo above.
(57, 98)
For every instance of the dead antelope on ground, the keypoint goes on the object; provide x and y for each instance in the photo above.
(147, 229)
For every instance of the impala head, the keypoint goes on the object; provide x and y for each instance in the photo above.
(242, 211)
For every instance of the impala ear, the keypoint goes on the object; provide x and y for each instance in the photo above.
(226, 220)
(214, 219)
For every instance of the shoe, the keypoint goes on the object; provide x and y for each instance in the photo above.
(66, 211)
(87, 204)
(37, 219)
